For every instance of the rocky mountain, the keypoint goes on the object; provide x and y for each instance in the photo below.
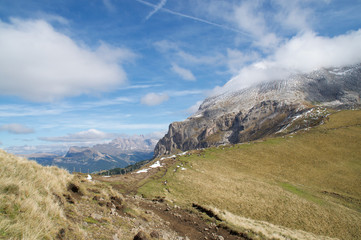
(236, 116)
(118, 153)
(127, 145)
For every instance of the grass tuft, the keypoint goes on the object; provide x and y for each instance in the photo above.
(28, 206)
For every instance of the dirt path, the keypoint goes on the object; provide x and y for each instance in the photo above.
(189, 224)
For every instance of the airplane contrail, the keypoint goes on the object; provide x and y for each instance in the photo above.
(156, 8)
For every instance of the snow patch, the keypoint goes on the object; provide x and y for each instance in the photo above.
(163, 158)
(340, 72)
(143, 170)
(183, 153)
(156, 165)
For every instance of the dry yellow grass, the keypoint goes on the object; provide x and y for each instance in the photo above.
(266, 229)
(28, 207)
(38, 202)
(308, 181)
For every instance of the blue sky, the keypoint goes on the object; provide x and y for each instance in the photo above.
(84, 72)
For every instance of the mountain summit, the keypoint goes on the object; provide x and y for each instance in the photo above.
(251, 113)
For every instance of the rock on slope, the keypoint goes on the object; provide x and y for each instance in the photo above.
(261, 110)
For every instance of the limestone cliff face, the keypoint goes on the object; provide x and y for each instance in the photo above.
(262, 110)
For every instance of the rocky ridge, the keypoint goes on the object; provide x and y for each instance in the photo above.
(259, 111)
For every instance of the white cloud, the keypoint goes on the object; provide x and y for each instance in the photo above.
(52, 18)
(100, 103)
(18, 110)
(309, 51)
(91, 135)
(184, 73)
(156, 135)
(141, 86)
(152, 99)
(237, 59)
(138, 126)
(174, 51)
(40, 64)
(250, 18)
(269, 21)
(165, 46)
(195, 107)
(300, 54)
(186, 93)
(293, 16)
(50, 148)
(111, 55)
(189, 58)
(16, 128)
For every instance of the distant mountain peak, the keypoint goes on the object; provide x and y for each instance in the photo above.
(120, 152)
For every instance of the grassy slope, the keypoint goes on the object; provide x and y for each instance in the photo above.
(38, 202)
(28, 206)
(309, 180)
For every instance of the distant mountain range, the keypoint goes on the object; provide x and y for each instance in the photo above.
(119, 153)
(235, 116)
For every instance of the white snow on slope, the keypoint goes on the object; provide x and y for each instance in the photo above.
(156, 164)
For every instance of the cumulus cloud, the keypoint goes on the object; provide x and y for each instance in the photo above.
(184, 73)
(41, 64)
(300, 54)
(152, 99)
(16, 128)
(91, 135)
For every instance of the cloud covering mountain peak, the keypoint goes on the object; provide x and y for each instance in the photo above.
(301, 54)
